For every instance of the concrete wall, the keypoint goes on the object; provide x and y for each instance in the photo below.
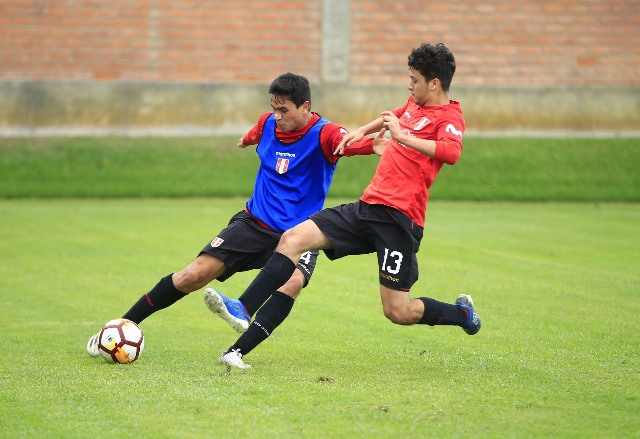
(88, 108)
(203, 67)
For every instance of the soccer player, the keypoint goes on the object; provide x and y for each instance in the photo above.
(426, 133)
(297, 155)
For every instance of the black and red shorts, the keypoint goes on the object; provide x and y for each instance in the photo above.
(246, 245)
(361, 228)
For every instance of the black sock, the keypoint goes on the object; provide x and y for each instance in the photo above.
(440, 313)
(274, 311)
(275, 274)
(164, 294)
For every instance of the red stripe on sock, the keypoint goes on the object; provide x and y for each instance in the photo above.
(148, 300)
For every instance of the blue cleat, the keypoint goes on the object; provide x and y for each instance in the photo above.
(472, 324)
(230, 310)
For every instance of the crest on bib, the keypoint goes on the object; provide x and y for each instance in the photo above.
(282, 165)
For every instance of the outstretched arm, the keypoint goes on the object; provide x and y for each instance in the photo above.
(241, 143)
(253, 135)
(358, 134)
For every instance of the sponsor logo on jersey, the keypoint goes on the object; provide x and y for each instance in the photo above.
(285, 154)
(282, 165)
(217, 242)
(421, 124)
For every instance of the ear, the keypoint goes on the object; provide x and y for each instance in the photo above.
(307, 106)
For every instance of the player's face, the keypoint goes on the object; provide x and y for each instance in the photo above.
(421, 89)
(288, 116)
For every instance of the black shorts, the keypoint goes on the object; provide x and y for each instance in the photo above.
(361, 228)
(246, 245)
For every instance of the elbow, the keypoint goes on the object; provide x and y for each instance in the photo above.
(451, 160)
(447, 153)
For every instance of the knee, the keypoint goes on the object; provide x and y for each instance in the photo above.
(190, 279)
(294, 285)
(290, 242)
(397, 316)
(198, 273)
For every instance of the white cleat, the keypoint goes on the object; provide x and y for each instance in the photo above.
(233, 359)
(230, 310)
(92, 346)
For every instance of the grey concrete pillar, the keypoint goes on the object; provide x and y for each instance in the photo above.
(336, 35)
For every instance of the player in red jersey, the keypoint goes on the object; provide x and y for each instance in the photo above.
(426, 133)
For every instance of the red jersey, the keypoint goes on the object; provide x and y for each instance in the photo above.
(330, 137)
(404, 175)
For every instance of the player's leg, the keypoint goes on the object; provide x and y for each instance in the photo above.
(169, 290)
(246, 246)
(398, 271)
(213, 262)
(199, 273)
(335, 225)
(274, 311)
(304, 237)
(398, 307)
(267, 319)
(461, 313)
(402, 310)
(397, 241)
(175, 286)
(224, 255)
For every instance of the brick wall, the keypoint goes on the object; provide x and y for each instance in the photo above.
(505, 42)
(158, 40)
(497, 42)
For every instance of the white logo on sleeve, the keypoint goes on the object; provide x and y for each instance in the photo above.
(451, 129)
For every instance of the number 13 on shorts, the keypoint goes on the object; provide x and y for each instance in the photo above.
(394, 260)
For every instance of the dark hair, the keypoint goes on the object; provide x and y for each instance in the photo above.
(291, 86)
(434, 62)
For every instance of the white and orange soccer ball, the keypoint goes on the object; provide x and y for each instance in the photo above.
(120, 341)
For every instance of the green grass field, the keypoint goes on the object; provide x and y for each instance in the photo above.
(556, 284)
(507, 169)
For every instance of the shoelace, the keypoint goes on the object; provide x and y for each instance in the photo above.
(237, 352)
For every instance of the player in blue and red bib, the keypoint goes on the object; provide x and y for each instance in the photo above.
(426, 133)
(297, 161)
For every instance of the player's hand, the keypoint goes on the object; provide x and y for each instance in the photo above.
(347, 140)
(380, 142)
(391, 123)
(240, 144)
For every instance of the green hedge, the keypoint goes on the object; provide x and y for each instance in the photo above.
(535, 169)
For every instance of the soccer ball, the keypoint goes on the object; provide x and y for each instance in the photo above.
(120, 341)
